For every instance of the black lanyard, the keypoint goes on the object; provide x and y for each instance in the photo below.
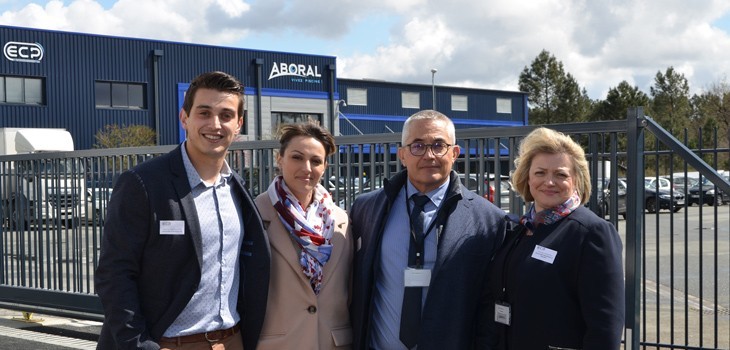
(419, 240)
(520, 230)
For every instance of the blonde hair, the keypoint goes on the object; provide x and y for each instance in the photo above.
(544, 140)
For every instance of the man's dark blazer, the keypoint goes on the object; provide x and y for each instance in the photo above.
(145, 279)
(455, 311)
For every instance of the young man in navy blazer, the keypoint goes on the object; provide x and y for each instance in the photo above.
(185, 258)
(441, 253)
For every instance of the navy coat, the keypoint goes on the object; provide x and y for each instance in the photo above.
(455, 312)
(575, 302)
(145, 279)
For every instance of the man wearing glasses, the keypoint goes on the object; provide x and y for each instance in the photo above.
(423, 242)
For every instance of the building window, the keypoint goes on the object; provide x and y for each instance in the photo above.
(287, 117)
(504, 105)
(24, 90)
(459, 103)
(411, 99)
(357, 97)
(120, 95)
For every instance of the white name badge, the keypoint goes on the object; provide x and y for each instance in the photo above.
(172, 227)
(544, 254)
(417, 277)
(502, 313)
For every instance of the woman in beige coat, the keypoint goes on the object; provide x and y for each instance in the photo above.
(311, 248)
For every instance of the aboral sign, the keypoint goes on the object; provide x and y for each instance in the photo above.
(23, 52)
(301, 73)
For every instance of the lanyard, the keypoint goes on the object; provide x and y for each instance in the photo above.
(419, 240)
(520, 233)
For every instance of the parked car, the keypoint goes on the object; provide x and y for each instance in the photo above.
(472, 183)
(656, 199)
(604, 197)
(97, 200)
(683, 184)
(662, 182)
(706, 193)
(505, 189)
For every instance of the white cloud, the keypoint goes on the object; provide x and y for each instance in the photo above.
(476, 43)
(425, 44)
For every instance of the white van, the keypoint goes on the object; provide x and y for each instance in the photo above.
(51, 190)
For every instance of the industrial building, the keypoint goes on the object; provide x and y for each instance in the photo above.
(83, 82)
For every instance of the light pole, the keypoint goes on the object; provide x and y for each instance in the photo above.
(433, 87)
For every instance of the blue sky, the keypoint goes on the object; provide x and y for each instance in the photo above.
(472, 43)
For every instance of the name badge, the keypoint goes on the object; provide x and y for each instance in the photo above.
(544, 254)
(417, 277)
(172, 227)
(502, 313)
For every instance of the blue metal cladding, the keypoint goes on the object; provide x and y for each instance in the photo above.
(384, 100)
(73, 62)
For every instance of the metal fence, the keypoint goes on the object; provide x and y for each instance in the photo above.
(677, 257)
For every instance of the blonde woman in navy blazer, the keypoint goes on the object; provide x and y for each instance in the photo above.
(557, 281)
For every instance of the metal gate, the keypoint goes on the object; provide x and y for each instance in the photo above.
(677, 253)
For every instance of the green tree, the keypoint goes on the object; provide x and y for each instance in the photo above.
(712, 109)
(672, 109)
(618, 100)
(573, 104)
(114, 136)
(671, 106)
(553, 95)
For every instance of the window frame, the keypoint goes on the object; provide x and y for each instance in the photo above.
(501, 104)
(357, 96)
(410, 96)
(297, 117)
(21, 93)
(458, 105)
(120, 95)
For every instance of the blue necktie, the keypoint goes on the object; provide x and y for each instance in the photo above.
(410, 320)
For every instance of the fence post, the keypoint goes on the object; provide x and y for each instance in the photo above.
(634, 224)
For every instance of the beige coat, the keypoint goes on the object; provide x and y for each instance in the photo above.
(296, 318)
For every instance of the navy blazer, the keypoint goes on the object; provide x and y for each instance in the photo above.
(572, 300)
(455, 312)
(145, 279)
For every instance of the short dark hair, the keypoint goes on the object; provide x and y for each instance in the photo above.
(309, 129)
(219, 81)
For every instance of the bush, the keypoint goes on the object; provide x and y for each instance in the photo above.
(114, 136)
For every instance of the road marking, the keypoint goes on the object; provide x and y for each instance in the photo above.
(692, 301)
(47, 338)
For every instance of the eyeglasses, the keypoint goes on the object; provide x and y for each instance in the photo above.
(419, 148)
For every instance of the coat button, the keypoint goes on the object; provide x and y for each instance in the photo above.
(312, 309)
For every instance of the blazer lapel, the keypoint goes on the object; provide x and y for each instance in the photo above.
(280, 239)
(184, 192)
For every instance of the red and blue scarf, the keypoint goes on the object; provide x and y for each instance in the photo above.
(533, 220)
(311, 229)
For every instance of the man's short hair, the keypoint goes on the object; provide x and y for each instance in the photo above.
(219, 81)
(428, 114)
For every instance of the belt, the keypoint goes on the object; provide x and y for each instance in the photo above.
(210, 337)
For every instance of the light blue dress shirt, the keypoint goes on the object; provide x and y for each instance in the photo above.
(213, 306)
(389, 281)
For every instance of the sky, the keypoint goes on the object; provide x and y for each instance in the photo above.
(471, 43)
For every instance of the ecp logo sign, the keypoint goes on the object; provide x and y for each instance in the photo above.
(23, 52)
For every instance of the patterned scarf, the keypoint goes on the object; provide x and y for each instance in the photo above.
(312, 229)
(533, 220)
